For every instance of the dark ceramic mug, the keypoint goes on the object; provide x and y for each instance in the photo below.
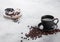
(48, 22)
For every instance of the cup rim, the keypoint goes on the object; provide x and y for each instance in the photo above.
(47, 16)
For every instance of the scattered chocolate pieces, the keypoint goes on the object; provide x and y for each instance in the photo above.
(28, 39)
(21, 40)
(21, 32)
(28, 26)
(18, 22)
(25, 38)
(35, 32)
(15, 20)
(21, 37)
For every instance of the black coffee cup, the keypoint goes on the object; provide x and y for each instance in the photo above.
(48, 22)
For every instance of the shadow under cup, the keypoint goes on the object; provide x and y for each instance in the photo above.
(48, 23)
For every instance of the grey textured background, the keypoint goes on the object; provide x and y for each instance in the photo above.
(32, 10)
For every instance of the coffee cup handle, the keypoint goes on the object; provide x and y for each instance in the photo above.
(57, 20)
(39, 24)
